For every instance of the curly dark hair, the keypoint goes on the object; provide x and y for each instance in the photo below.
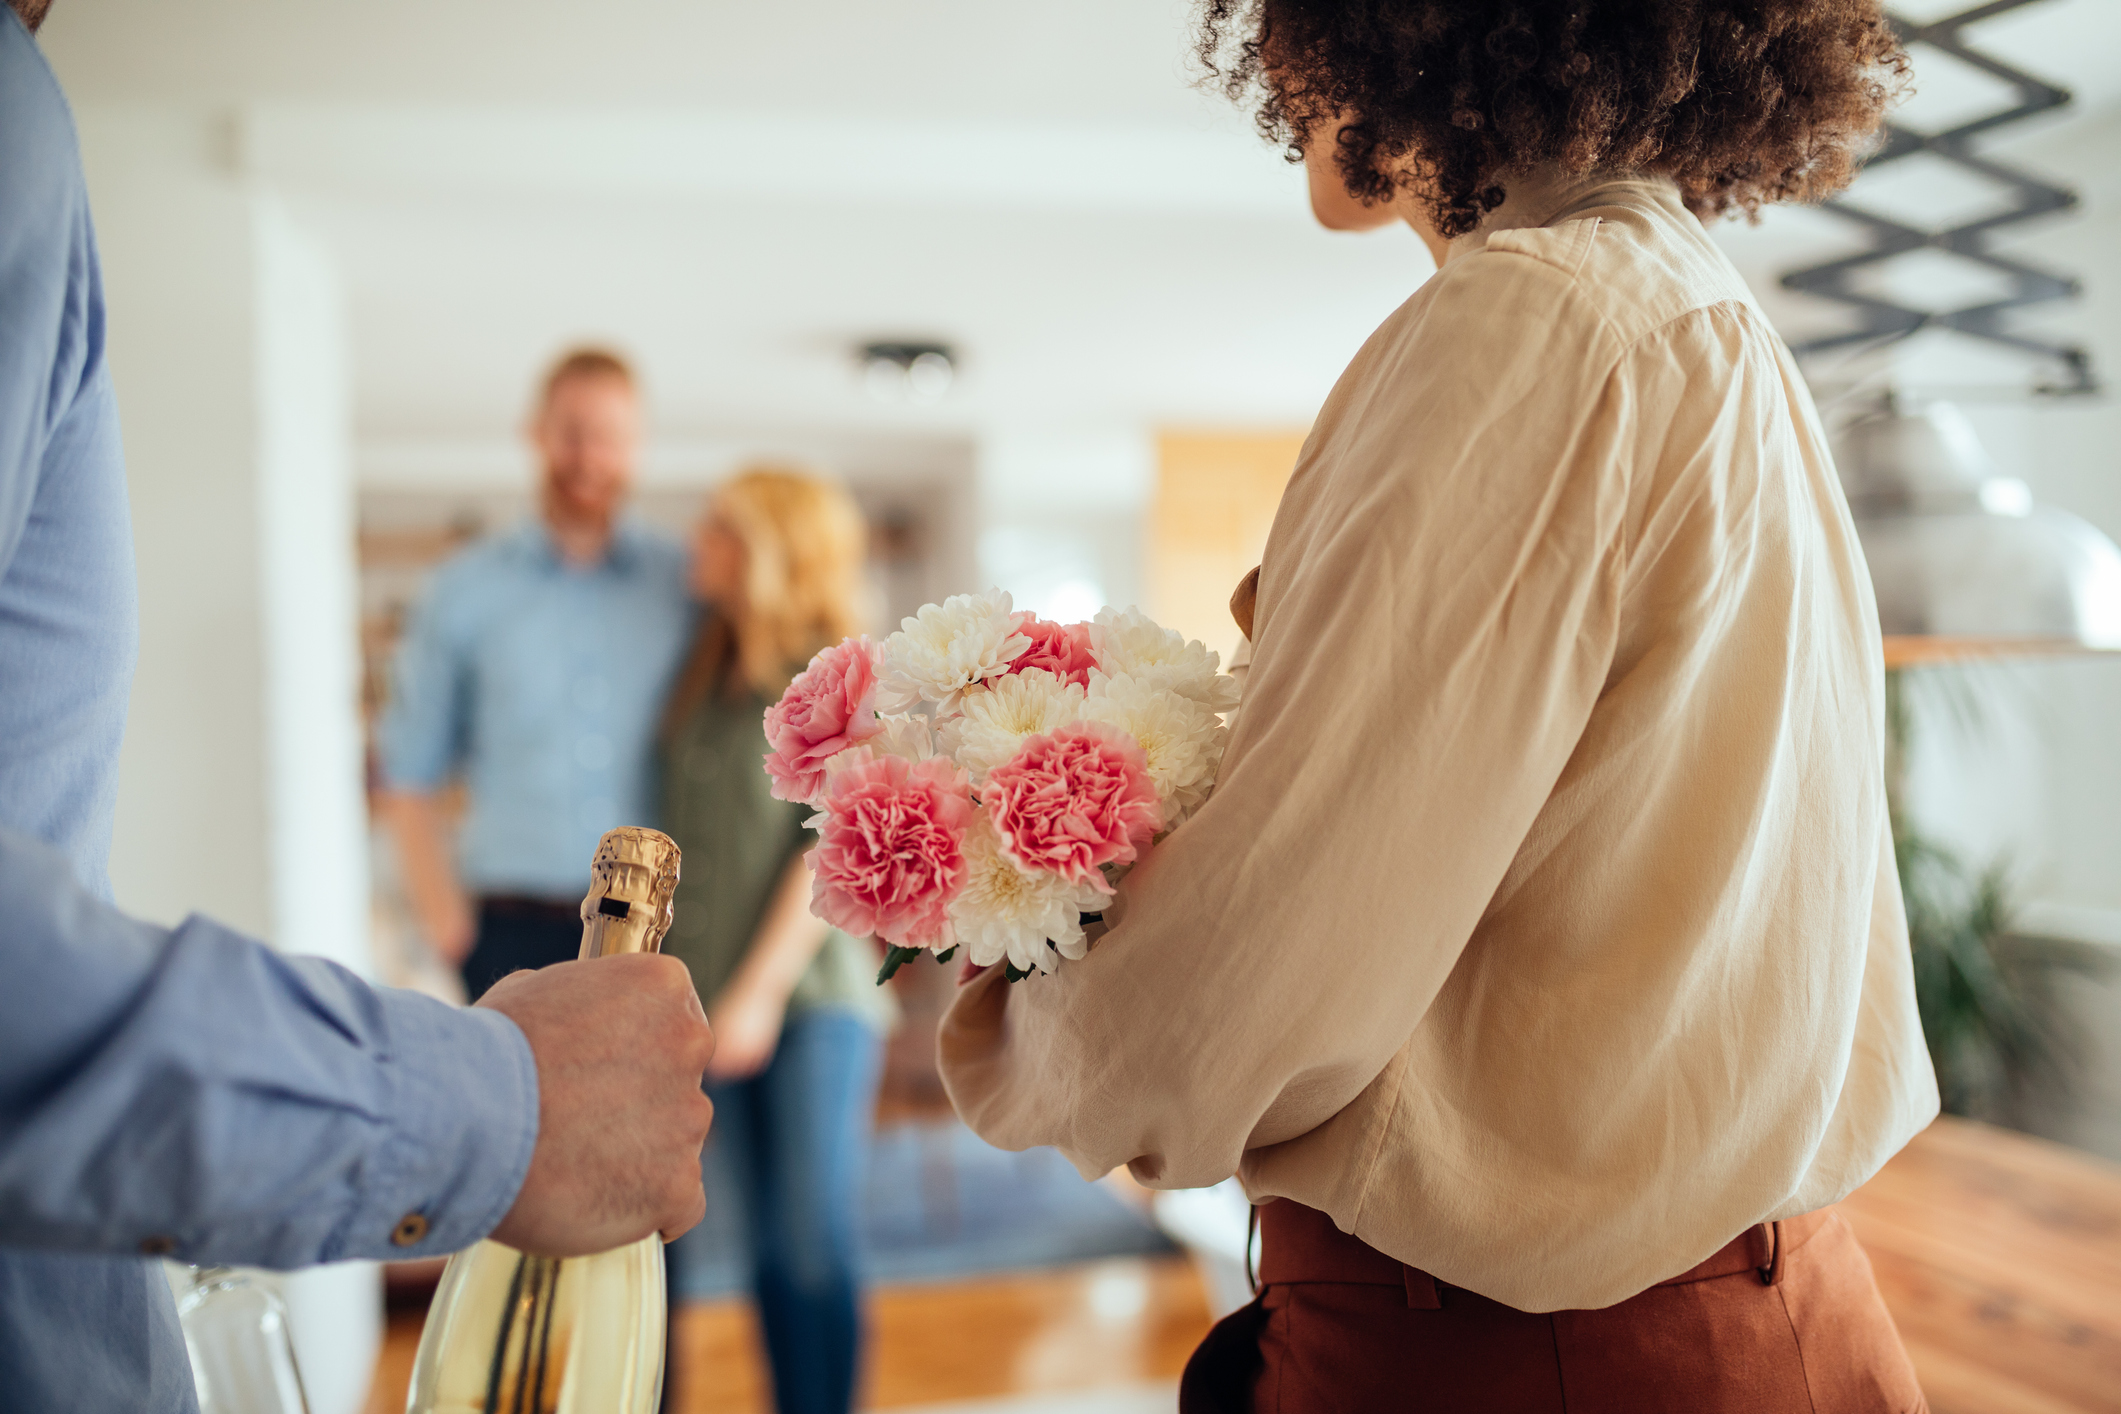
(1741, 102)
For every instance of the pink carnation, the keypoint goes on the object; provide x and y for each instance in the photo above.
(891, 849)
(829, 707)
(1073, 799)
(1061, 649)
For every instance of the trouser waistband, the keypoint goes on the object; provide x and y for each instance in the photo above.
(1301, 1244)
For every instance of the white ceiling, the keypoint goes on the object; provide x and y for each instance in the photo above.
(740, 193)
(953, 60)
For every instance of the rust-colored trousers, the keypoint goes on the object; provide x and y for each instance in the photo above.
(1786, 1319)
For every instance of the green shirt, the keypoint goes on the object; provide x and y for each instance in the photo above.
(737, 841)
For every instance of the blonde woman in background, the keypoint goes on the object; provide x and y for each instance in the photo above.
(796, 1011)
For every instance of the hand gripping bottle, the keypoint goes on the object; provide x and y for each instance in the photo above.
(514, 1334)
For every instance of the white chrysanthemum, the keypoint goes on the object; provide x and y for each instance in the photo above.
(995, 718)
(1130, 642)
(1182, 739)
(910, 736)
(946, 648)
(1004, 913)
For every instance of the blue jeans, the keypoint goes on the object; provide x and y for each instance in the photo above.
(789, 1150)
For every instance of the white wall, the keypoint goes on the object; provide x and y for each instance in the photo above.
(240, 782)
(1060, 515)
(317, 814)
(2069, 452)
(177, 247)
(2035, 780)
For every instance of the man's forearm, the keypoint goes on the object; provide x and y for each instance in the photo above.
(192, 1091)
(437, 896)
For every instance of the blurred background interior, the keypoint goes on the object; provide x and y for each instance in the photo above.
(343, 241)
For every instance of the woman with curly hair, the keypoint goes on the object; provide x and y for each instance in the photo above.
(1539, 962)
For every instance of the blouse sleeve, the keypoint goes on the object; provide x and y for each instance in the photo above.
(1436, 616)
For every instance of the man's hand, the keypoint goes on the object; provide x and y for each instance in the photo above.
(620, 1044)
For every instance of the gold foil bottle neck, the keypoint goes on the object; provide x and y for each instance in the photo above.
(632, 881)
(509, 1333)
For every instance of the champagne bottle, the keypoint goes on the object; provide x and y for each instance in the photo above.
(509, 1333)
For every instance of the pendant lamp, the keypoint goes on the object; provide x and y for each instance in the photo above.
(1962, 559)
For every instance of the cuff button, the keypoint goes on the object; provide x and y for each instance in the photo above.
(157, 1246)
(411, 1230)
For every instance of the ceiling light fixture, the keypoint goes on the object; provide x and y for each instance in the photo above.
(904, 371)
(1964, 562)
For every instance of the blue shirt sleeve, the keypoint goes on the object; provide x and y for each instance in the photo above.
(50, 297)
(422, 736)
(192, 1090)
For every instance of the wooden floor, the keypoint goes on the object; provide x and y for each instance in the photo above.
(1999, 1255)
(1122, 1322)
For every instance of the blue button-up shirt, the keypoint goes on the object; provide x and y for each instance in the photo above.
(182, 1088)
(542, 683)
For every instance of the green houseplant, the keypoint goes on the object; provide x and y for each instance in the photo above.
(1988, 997)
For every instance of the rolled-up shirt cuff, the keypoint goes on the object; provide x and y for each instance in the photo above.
(464, 1118)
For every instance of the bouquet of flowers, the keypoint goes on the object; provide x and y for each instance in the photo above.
(983, 777)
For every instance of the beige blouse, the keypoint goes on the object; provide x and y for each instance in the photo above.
(1543, 928)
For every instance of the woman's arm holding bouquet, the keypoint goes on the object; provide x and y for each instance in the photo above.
(1435, 621)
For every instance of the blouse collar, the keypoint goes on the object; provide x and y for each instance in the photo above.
(1547, 196)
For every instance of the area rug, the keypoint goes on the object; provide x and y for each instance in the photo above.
(943, 1204)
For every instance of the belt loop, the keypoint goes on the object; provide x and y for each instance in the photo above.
(1771, 1274)
(1424, 1292)
(1251, 1233)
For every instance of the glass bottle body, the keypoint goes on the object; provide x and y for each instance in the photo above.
(509, 1333)
(514, 1334)
(242, 1358)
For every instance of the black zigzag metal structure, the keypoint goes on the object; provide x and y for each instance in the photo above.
(1883, 320)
